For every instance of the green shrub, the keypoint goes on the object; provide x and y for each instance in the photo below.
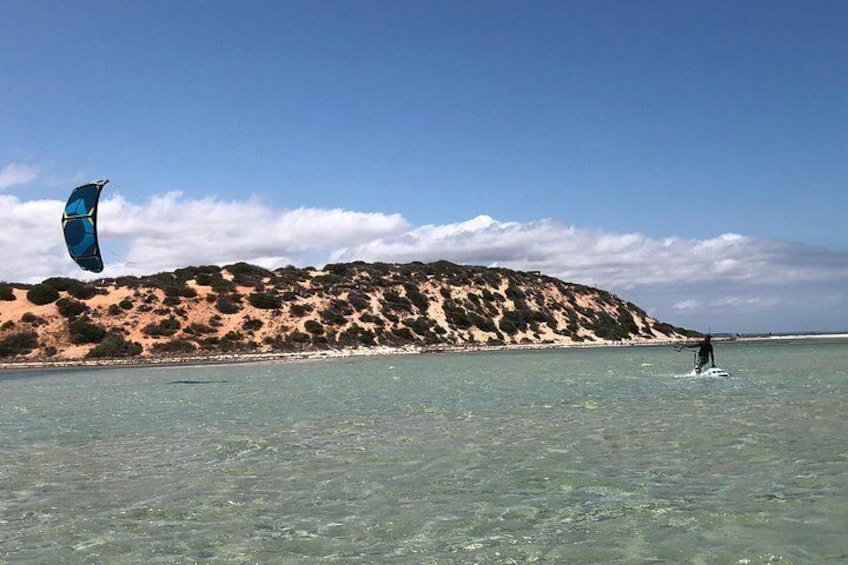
(607, 327)
(251, 324)
(114, 345)
(166, 327)
(126, 304)
(171, 291)
(358, 301)
(209, 343)
(174, 346)
(332, 317)
(248, 275)
(668, 329)
(187, 292)
(290, 275)
(222, 285)
(61, 283)
(7, 325)
(419, 325)
(179, 290)
(159, 280)
(329, 280)
(394, 301)
(357, 335)
(342, 307)
(198, 329)
(403, 335)
(341, 269)
(313, 327)
(625, 319)
(264, 301)
(416, 297)
(197, 273)
(442, 268)
(18, 344)
(30, 318)
(372, 319)
(83, 331)
(70, 308)
(82, 291)
(226, 305)
(233, 342)
(390, 317)
(456, 315)
(299, 337)
(515, 321)
(484, 323)
(42, 294)
(6, 292)
(513, 292)
(127, 281)
(204, 279)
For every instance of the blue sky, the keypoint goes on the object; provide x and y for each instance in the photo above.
(690, 156)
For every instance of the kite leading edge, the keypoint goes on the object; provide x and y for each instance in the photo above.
(79, 224)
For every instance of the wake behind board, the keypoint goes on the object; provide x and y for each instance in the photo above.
(714, 372)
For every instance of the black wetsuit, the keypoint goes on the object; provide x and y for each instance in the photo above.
(705, 352)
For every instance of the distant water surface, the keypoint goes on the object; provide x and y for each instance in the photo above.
(558, 456)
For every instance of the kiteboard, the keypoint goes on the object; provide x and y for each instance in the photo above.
(714, 372)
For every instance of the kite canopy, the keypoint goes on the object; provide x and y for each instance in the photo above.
(79, 223)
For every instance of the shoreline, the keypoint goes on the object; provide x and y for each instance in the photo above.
(316, 355)
(245, 358)
(785, 337)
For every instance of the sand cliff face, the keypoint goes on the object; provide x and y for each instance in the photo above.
(243, 308)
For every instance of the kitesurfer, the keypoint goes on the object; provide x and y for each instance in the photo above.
(705, 353)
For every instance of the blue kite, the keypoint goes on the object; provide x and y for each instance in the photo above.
(79, 223)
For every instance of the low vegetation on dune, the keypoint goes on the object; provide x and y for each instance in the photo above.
(237, 308)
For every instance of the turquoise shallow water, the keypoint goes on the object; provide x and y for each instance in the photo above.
(560, 456)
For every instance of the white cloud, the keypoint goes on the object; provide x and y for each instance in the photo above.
(755, 302)
(689, 304)
(727, 303)
(171, 232)
(31, 239)
(611, 259)
(14, 174)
